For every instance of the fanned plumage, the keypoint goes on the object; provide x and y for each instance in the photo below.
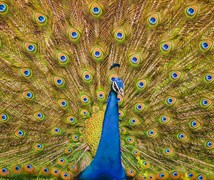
(55, 77)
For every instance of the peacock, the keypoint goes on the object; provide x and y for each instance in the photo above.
(107, 90)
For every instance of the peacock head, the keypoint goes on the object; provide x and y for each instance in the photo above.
(118, 86)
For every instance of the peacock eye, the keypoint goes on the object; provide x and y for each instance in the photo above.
(4, 170)
(3, 7)
(204, 102)
(27, 73)
(165, 47)
(87, 77)
(134, 60)
(152, 20)
(29, 95)
(40, 115)
(169, 100)
(57, 130)
(190, 175)
(46, 170)
(151, 132)
(4, 117)
(17, 168)
(64, 103)
(96, 10)
(29, 166)
(85, 99)
(167, 150)
(208, 77)
(204, 45)
(193, 123)
(209, 144)
(55, 171)
(74, 35)
(162, 175)
(140, 84)
(20, 132)
(41, 19)
(163, 118)
(97, 54)
(63, 58)
(59, 81)
(72, 119)
(101, 96)
(139, 107)
(119, 35)
(31, 48)
(181, 136)
(190, 11)
(174, 75)
(174, 173)
(200, 177)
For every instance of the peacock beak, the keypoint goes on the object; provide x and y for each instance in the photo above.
(121, 92)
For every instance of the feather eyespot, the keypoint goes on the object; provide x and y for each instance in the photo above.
(45, 171)
(87, 77)
(62, 161)
(162, 175)
(101, 96)
(62, 58)
(4, 171)
(141, 85)
(96, 10)
(209, 77)
(175, 175)
(130, 140)
(74, 35)
(73, 167)
(168, 151)
(164, 119)
(191, 11)
(55, 172)
(205, 45)
(26, 72)
(4, 118)
(59, 81)
(209, 145)
(30, 47)
(151, 133)
(120, 35)
(135, 60)
(205, 102)
(153, 20)
(85, 100)
(170, 101)
(39, 116)
(20, 133)
(131, 172)
(63, 104)
(29, 168)
(56, 131)
(71, 120)
(38, 146)
(175, 75)
(68, 150)
(65, 176)
(3, 8)
(201, 177)
(97, 53)
(194, 125)
(133, 121)
(166, 47)
(40, 18)
(28, 95)
(182, 137)
(84, 113)
(139, 107)
(17, 169)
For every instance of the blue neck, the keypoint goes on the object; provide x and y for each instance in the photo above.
(107, 162)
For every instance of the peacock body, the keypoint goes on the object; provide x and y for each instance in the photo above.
(57, 120)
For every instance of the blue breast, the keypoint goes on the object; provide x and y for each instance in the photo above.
(107, 162)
